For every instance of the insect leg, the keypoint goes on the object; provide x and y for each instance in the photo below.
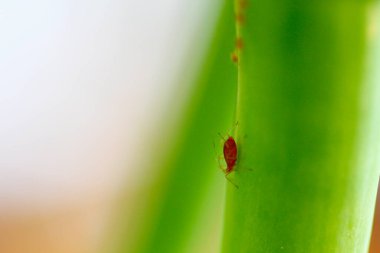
(218, 158)
(236, 186)
(222, 137)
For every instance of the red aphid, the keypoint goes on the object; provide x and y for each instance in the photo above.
(230, 154)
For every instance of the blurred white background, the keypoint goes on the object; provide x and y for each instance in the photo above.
(81, 84)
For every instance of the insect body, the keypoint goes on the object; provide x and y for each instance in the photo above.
(230, 154)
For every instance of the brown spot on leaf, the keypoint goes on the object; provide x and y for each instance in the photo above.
(243, 4)
(240, 18)
(234, 57)
(239, 43)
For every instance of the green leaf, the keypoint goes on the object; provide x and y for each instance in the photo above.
(189, 176)
(307, 168)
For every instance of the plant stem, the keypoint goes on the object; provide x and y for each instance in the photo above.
(308, 167)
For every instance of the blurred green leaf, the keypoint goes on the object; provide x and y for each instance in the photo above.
(188, 176)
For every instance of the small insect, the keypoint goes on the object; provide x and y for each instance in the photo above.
(230, 154)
